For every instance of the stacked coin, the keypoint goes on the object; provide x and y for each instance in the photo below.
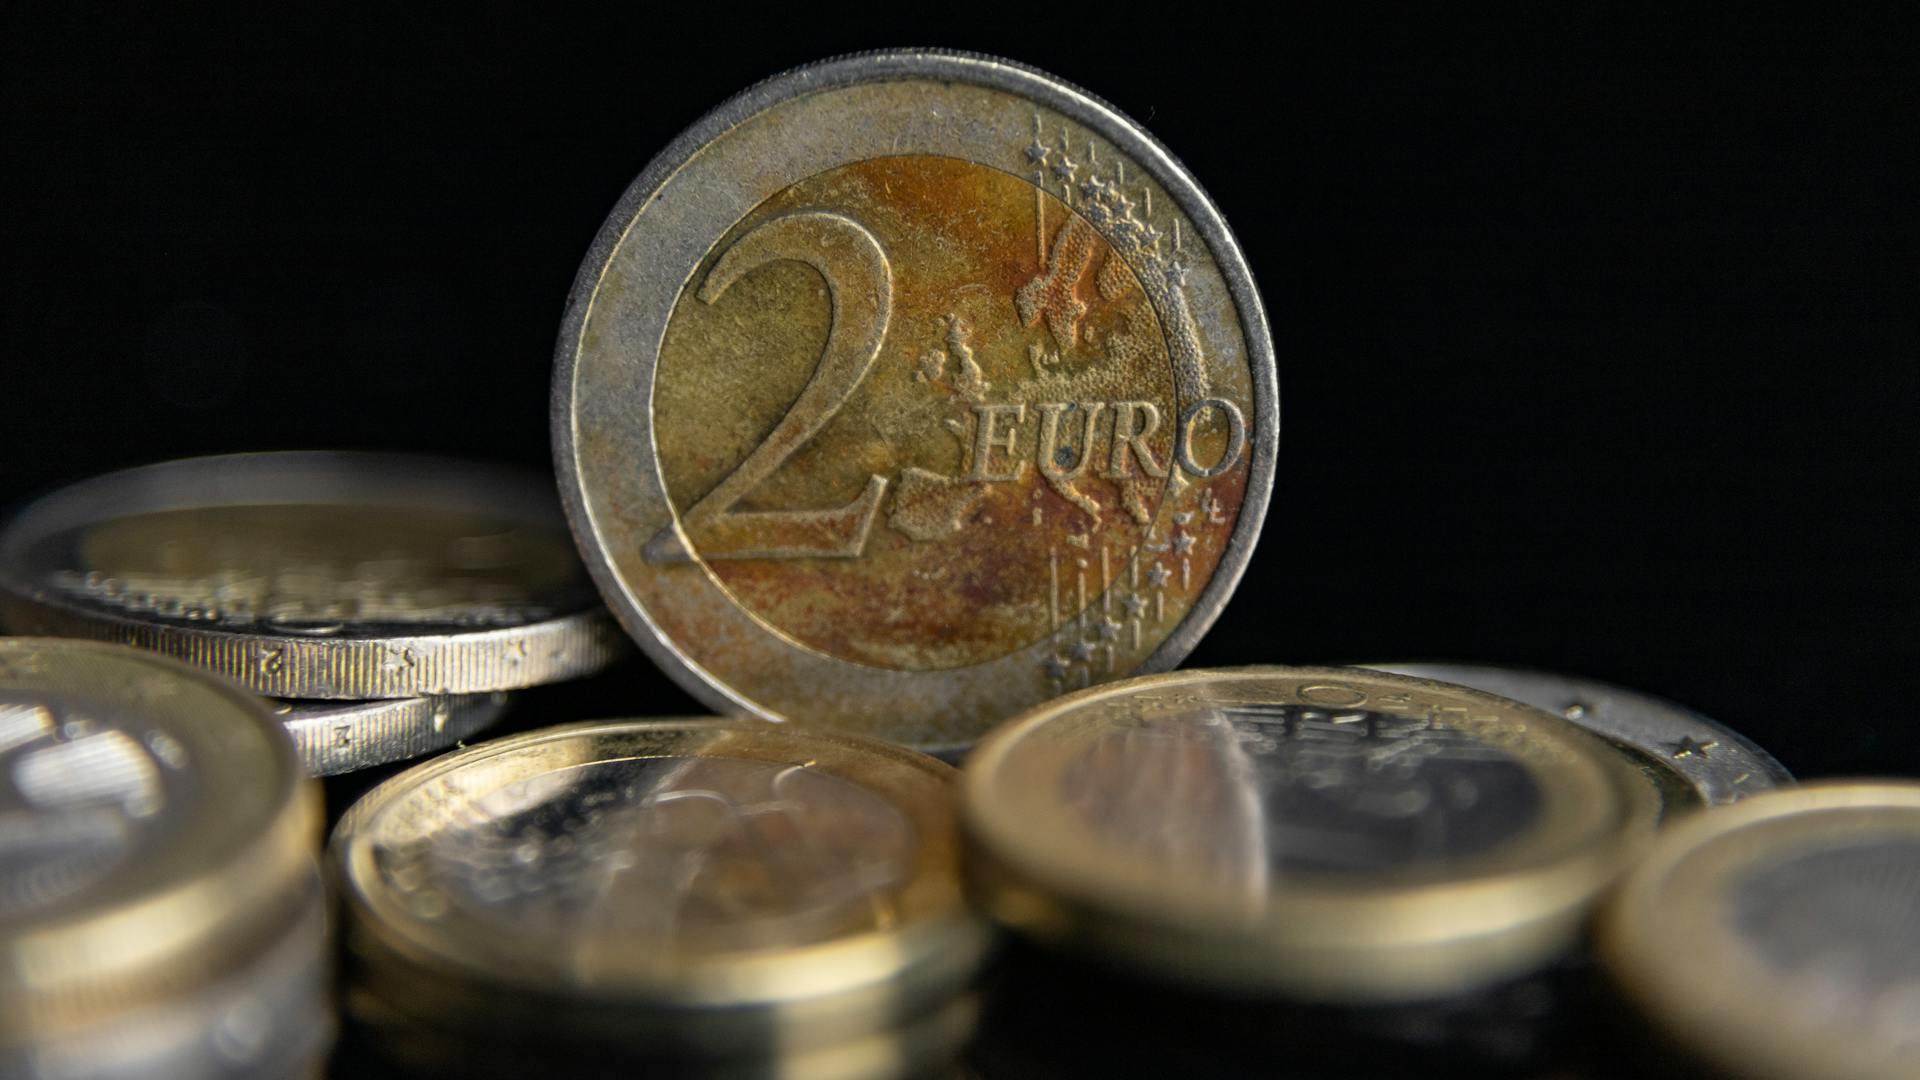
(416, 588)
(1336, 839)
(720, 897)
(1701, 759)
(1777, 938)
(160, 904)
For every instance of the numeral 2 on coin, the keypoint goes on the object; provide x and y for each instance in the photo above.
(861, 286)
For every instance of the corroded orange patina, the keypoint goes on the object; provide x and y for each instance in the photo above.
(1007, 466)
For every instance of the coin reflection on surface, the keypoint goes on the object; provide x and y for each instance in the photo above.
(674, 887)
(675, 853)
(1326, 832)
(1781, 937)
(335, 575)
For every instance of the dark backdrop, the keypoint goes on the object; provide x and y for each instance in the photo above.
(1597, 337)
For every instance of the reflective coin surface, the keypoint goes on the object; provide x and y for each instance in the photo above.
(1712, 760)
(268, 1016)
(336, 737)
(1781, 937)
(709, 881)
(1332, 833)
(150, 818)
(315, 575)
(909, 389)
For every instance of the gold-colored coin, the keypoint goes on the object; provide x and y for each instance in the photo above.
(154, 825)
(691, 887)
(908, 390)
(1328, 833)
(1780, 937)
(315, 575)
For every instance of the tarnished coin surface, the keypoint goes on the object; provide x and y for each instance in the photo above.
(909, 389)
(701, 886)
(315, 575)
(1329, 833)
(1715, 762)
(152, 819)
(336, 737)
(1780, 937)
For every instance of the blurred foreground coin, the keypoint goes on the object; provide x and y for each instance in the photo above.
(1330, 834)
(909, 389)
(337, 737)
(315, 575)
(1715, 762)
(1780, 937)
(716, 891)
(160, 912)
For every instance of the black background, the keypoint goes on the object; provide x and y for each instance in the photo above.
(1596, 335)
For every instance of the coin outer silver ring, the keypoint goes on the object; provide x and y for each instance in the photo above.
(339, 668)
(1718, 762)
(944, 66)
(335, 738)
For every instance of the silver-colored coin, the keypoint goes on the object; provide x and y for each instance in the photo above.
(338, 737)
(1717, 762)
(315, 575)
(270, 1016)
(907, 390)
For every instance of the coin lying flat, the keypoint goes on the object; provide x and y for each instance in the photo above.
(154, 825)
(674, 887)
(1712, 760)
(315, 575)
(1328, 833)
(909, 389)
(338, 737)
(1780, 937)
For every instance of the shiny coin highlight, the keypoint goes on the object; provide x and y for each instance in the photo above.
(671, 888)
(1328, 833)
(315, 575)
(159, 838)
(909, 389)
(337, 737)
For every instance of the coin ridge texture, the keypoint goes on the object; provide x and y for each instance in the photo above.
(425, 859)
(41, 592)
(336, 737)
(908, 389)
(1194, 825)
(1686, 933)
(1717, 762)
(101, 735)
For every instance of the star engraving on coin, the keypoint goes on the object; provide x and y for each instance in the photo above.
(1688, 746)
(915, 403)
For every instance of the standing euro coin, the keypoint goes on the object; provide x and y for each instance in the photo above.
(909, 389)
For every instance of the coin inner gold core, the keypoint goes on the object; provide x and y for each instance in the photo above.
(916, 413)
(317, 565)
